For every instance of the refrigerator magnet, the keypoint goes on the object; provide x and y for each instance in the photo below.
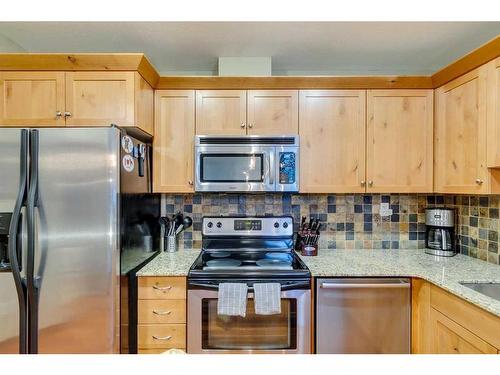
(128, 163)
(127, 144)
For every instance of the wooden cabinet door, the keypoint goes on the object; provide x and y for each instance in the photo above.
(399, 141)
(173, 144)
(449, 337)
(332, 137)
(221, 112)
(31, 98)
(273, 112)
(460, 144)
(493, 116)
(100, 98)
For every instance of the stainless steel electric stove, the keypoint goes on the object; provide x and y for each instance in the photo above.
(248, 250)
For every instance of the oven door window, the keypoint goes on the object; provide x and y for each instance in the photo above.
(232, 168)
(254, 332)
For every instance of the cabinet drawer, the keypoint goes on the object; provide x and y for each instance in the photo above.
(162, 288)
(151, 336)
(162, 311)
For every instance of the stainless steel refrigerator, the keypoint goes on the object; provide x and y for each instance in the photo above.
(69, 210)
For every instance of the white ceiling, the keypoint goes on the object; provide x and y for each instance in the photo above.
(296, 48)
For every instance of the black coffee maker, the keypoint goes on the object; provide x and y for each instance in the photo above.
(440, 231)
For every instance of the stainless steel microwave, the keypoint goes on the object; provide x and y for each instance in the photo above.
(246, 164)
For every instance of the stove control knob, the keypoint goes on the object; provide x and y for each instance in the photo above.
(210, 224)
(285, 225)
(219, 224)
(276, 225)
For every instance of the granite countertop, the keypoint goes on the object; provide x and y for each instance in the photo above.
(170, 264)
(443, 272)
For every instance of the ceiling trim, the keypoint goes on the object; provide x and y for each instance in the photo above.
(295, 82)
(140, 63)
(465, 64)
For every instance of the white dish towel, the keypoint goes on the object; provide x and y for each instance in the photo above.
(232, 299)
(267, 298)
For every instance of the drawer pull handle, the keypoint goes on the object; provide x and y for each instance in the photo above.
(162, 312)
(162, 287)
(163, 338)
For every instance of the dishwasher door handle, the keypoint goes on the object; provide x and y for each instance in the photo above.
(402, 285)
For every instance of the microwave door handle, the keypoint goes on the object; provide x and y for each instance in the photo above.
(270, 168)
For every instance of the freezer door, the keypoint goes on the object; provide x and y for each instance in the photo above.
(10, 144)
(77, 245)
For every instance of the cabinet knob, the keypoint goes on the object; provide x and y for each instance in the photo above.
(250, 126)
(67, 114)
(370, 183)
(363, 183)
(242, 125)
(58, 114)
(190, 182)
(479, 181)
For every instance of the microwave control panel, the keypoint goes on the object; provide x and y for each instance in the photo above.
(287, 168)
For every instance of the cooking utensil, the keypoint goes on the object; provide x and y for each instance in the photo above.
(178, 220)
(179, 229)
(187, 222)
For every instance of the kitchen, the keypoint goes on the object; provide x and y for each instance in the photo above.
(146, 211)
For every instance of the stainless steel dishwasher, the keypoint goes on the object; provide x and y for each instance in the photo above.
(363, 315)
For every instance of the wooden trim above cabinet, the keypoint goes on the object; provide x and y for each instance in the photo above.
(294, 82)
(465, 64)
(80, 61)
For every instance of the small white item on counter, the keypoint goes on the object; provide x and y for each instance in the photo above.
(232, 299)
(267, 298)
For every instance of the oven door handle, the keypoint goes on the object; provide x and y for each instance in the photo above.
(295, 285)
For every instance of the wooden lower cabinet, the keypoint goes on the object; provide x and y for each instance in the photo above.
(449, 337)
(161, 314)
(443, 323)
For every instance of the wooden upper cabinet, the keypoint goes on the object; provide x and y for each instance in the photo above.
(100, 98)
(144, 104)
(221, 112)
(399, 141)
(273, 112)
(493, 115)
(173, 144)
(460, 144)
(332, 137)
(32, 98)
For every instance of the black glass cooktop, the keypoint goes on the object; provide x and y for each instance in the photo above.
(243, 263)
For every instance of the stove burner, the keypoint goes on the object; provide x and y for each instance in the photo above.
(221, 254)
(224, 263)
(274, 264)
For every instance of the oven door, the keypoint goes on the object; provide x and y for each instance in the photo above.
(286, 333)
(234, 168)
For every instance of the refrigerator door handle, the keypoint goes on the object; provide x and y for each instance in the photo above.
(15, 244)
(30, 264)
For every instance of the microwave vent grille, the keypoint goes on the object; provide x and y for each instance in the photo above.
(247, 140)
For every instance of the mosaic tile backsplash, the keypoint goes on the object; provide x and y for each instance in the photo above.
(353, 220)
